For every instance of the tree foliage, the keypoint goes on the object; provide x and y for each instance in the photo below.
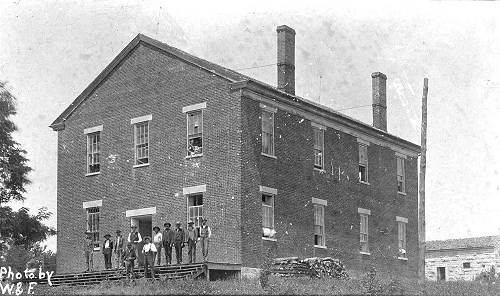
(13, 163)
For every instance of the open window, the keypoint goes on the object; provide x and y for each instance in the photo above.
(195, 133)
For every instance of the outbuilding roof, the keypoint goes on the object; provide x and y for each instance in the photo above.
(463, 243)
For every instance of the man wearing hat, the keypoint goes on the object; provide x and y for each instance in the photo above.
(179, 241)
(149, 251)
(88, 250)
(158, 242)
(129, 256)
(168, 236)
(107, 250)
(191, 238)
(205, 234)
(135, 238)
(118, 250)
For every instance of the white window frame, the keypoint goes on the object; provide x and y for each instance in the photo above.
(319, 161)
(401, 178)
(319, 204)
(271, 111)
(93, 226)
(190, 192)
(364, 237)
(93, 152)
(268, 233)
(361, 164)
(402, 237)
(138, 123)
(197, 209)
(190, 110)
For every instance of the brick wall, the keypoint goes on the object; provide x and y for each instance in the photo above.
(292, 174)
(453, 260)
(151, 82)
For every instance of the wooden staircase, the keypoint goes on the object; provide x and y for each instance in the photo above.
(197, 270)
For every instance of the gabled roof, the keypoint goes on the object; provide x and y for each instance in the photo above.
(463, 243)
(238, 80)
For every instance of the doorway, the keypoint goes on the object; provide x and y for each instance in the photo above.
(144, 226)
(441, 274)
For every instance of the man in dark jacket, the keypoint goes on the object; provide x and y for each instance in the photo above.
(179, 241)
(191, 238)
(168, 236)
(107, 250)
(119, 248)
(129, 258)
(135, 238)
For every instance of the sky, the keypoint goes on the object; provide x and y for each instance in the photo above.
(51, 50)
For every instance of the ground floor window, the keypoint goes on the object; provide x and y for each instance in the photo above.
(268, 215)
(319, 225)
(93, 224)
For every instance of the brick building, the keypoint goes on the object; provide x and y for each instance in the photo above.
(461, 259)
(161, 135)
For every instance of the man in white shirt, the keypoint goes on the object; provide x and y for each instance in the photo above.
(149, 251)
(204, 235)
(157, 241)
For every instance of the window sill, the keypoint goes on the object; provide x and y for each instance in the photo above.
(365, 253)
(402, 193)
(403, 258)
(363, 182)
(320, 247)
(92, 174)
(320, 170)
(97, 249)
(269, 239)
(194, 156)
(268, 155)
(141, 165)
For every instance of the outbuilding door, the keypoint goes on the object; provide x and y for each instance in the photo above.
(441, 274)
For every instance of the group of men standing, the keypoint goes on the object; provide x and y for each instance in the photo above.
(126, 257)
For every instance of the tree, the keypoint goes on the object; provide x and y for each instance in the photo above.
(13, 163)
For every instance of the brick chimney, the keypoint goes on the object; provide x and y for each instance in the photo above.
(379, 102)
(286, 59)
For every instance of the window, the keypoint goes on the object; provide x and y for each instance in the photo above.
(141, 136)
(401, 174)
(268, 215)
(268, 132)
(93, 224)
(194, 133)
(466, 265)
(402, 239)
(93, 151)
(363, 163)
(319, 225)
(319, 147)
(363, 233)
(195, 209)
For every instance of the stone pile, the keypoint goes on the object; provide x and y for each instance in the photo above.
(313, 267)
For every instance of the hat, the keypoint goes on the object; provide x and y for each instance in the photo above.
(156, 227)
(129, 244)
(87, 232)
(133, 226)
(107, 235)
(204, 220)
(118, 231)
(178, 223)
(147, 237)
(167, 224)
(190, 222)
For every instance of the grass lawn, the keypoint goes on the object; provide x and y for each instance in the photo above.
(276, 286)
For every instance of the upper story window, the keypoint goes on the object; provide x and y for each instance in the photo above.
(268, 196)
(141, 139)
(319, 222)
(93, 149)
(194, 118)
(401, 174)
(363, 230)
(93, 152)
(141, 143)
(363, 163)
(267, 130)
(319, 146)
(194, 133)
